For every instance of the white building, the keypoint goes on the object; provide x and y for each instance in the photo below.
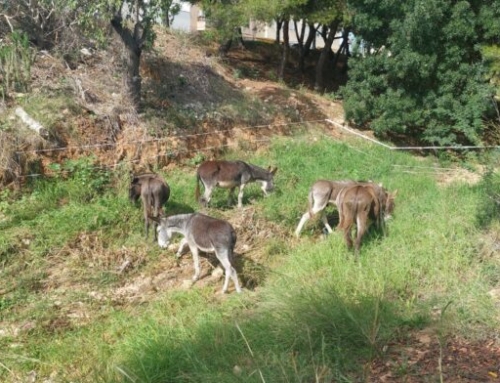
(189, 19)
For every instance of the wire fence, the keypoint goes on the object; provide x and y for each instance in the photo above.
(205, 149)
(171, 152)
(171, 137)
(411, 148)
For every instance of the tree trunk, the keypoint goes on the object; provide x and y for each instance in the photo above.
(306, 48)
(325, 53)
(344, 47)
(286, 49)
(299, 35)
(224, 48)
(239, 35)
(279, 23)
(133, 42)
(133, 80)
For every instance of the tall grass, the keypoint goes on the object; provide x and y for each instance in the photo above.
(319, 316)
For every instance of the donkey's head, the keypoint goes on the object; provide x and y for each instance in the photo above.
(268, 182)
(389, 204)
(134, 192)
(163, 229)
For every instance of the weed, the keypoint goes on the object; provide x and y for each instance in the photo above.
(16, 59)
(237, 73)
(197, 159)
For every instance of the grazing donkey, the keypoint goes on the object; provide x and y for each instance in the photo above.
(204, 233)
(154, 193)
(361, 204)
(321, 193)
(231, 174)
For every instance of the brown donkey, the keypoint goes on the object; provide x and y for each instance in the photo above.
(231, 174)
(154, 193)
(322, 193)
(360, 205)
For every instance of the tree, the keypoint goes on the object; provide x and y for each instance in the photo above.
(133, 21)
(226, 17)
(421, 72)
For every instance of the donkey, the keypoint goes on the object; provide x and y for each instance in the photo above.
(321, 193)
(204, 233)
(385, 201)
(154, 193)
(231, 174)
(359, 205)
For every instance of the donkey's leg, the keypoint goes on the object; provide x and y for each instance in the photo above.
(146, 219)
(182, 247)
(207, 193)
(324, 219)
(346, 224)
(240, 196)
(305, 217)
(196, 261)
(155, 225)
(361, 225)
(230, 272)
(230, 196)
(318, 205)
(347, 236)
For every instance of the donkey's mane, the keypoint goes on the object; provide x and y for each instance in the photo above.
(258, 172)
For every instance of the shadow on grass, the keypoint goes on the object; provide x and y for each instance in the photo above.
(292, 336)
(488, 209)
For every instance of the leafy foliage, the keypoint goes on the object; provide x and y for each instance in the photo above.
(421, 72)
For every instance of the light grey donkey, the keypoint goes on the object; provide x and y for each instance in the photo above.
(204, 233)
(321, 193)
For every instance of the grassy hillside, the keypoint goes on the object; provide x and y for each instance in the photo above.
(85, 297)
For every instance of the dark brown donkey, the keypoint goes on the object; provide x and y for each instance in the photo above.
(360, 205)
(231, 174)
(154, 193)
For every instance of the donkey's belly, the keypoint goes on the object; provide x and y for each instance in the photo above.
(228, 184)
(206, 249)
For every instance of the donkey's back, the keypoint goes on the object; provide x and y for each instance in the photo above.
(211, 234)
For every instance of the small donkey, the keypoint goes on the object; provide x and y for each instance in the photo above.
(154, 193)
(204, 233)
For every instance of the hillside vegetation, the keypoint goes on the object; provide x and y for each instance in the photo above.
(86, 298)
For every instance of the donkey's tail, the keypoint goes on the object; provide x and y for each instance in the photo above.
(197, 190)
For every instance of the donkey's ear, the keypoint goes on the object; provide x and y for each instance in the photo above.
(273, 170)
(394, 193)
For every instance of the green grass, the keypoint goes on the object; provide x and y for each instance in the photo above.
(316, 316)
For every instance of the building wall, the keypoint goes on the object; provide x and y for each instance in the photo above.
(259, 30)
